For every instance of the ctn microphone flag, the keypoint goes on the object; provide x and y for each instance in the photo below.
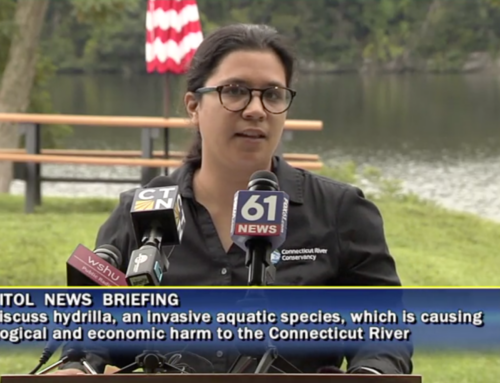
(158, 205)
(159, 221)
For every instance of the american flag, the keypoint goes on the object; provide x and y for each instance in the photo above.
(173, 33)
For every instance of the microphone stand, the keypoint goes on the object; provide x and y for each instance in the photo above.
(152, 362)
(153, 238)
(151, 245)
(74, 355)
(261, 272)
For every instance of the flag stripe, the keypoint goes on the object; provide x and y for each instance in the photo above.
(173, 33)
(170, 65)
(171, 49)
(172, 18)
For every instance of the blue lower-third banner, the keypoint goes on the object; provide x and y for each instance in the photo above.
(292, 319)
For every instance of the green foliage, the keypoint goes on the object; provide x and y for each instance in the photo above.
(99, 11)
(110, 45)
(99, 35)
(345, 172)
(108, 36)
(350, 173)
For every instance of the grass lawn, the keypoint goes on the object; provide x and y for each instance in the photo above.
(432, 247)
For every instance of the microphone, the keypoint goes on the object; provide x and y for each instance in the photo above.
(158, 220)
(73, 355)
(97, 268)
(259, 227)
(180, 362)
(259, 224)
(87, 268)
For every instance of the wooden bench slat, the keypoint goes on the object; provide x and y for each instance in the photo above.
(153, 163)
(137, 153)
(33, 179)
(307, 165)
(129, 121)
(81, 160)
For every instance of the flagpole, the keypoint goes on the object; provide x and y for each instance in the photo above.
(168, 24)
(166, 113)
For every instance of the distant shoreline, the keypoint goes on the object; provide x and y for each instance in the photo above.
(477, 62)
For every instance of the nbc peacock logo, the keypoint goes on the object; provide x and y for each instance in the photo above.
(177, 212)
(142, 205)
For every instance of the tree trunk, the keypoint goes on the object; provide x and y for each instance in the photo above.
(18, 76)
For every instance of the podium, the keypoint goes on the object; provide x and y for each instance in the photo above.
(213, 378)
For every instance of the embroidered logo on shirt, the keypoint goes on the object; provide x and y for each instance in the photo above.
(275, 257)
(297, 254)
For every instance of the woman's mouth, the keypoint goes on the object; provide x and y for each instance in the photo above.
(251, 135)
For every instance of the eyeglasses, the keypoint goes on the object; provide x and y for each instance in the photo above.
(235, 97)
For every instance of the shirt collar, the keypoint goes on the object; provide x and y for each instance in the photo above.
(291, 180)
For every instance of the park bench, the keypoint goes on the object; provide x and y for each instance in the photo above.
(150, 161)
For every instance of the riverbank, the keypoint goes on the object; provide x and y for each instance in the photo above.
(432, 246)
(470, 186)
(475, 62)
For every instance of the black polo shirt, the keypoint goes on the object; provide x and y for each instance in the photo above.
(335, 237)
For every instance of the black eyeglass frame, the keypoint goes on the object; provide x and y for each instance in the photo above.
(218, 89)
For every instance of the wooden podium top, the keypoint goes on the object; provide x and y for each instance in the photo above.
(213, 378)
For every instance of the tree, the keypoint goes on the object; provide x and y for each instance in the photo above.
(19, 73)
(24, 75)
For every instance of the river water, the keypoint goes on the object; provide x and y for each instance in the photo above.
(440, 135)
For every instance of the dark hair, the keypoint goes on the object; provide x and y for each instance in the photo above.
(218, 45)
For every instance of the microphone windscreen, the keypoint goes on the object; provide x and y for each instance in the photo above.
(110, 254)
(263, 180)
(264, 174)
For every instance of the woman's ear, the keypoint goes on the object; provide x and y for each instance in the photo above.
(191, 102)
